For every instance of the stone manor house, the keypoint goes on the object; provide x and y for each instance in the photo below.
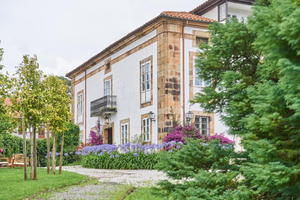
(135, 85)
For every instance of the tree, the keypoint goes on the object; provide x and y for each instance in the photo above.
(58, 111)
(66, 82)
(255, 70)
(27, 98)
(5, 85)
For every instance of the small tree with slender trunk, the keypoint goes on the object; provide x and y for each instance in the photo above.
(27, 98)
(58, 110)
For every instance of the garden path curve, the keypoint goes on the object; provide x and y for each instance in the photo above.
(138, 178)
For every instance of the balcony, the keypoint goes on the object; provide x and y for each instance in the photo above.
(104, 106)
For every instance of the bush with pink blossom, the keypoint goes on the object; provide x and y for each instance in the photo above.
(95, 139)
(179, 132)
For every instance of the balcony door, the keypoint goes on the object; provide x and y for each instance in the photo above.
(107, 87)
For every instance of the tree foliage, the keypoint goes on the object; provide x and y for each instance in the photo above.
(57, 109)
(255, 68)
(5, 85)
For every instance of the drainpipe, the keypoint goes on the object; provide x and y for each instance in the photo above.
(85, 102)
(183, 74)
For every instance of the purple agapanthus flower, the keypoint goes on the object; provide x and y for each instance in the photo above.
(135, 154)
(111, 156)
(66, 154)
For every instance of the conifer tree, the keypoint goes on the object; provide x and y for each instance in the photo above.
(255, 69)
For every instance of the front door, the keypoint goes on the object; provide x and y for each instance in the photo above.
(110, 136)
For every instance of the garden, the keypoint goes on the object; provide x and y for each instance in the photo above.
(255, 67)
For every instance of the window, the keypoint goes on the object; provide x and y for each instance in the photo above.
(198, 82)
(202, 123)
(201, 39)
(107, 66)
(80, 104)
(124, 133)
(222, 12)
(80, 138)
(146, 82)
(146, 130)
(107, 87)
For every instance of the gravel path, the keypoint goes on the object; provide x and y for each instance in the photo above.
(89, 192)
(109, 180)
(136, 178)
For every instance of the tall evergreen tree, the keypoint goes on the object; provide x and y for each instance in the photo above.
(255, 69)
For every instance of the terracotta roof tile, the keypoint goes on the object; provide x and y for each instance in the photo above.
(186, 15)
(192, 11)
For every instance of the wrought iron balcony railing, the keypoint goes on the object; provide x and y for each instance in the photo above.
(104, 105)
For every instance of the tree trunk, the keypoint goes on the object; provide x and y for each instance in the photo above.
(61, 150)
(34, 154)
(54, 152)
(48, 148)
(31, 153)
(24, 148)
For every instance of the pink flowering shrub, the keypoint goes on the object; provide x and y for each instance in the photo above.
(220, 137)
(95, 139)
(179, 132)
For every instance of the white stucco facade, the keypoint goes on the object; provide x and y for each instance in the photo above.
(124, 73)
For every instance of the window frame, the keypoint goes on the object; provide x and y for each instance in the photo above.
(197, 79)
(202, 39)
(146, 81)
(127, 133)
(222, 8)
(144, 126)
(80, 104)
(107, 89)
(200, 124)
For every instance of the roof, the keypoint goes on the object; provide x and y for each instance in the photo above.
(186, 15)
(168, 14)
(207, 5)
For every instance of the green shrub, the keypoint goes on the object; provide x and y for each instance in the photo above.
(202, 169)
(116, 160)
(13, 144)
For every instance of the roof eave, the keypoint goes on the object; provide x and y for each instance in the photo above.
(69, 74)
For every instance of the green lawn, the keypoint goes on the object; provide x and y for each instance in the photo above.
(142, 193)
(13, 186)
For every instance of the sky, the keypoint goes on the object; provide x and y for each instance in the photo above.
(65, 33)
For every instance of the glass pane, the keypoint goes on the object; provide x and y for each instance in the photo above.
(148, 85)
(148, 67)
(148, 137)
(143, 77)
(143, 87)
(148, 77)
(143, 69)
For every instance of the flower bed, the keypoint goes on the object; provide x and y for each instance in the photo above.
(127, 156)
